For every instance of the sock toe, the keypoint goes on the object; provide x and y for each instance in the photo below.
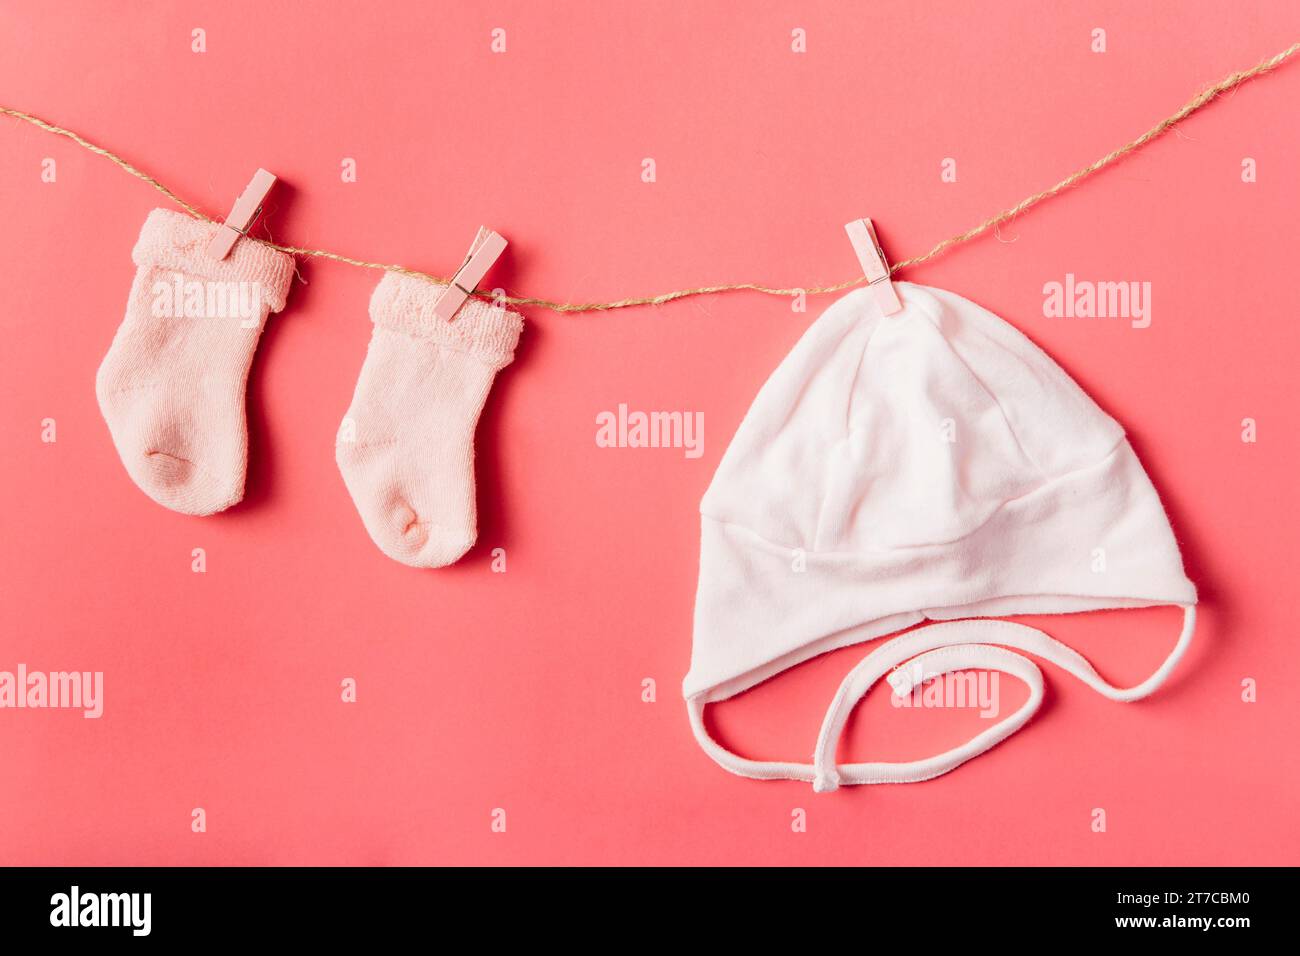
(184, 485)
(419, 542)
(185, 468)
(166, 470)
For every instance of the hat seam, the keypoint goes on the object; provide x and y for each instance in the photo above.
(1016, 342)
(927, 306)
(745, 680)
(857, 377)
(1048, 481)
(997, 402)
(1003, 412)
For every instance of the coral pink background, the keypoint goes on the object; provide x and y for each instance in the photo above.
(522, 690)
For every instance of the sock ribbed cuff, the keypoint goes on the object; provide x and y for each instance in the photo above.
(173, 240)
(405, 304)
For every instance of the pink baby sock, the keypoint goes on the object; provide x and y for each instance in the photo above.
(406, 445)
(172, 384)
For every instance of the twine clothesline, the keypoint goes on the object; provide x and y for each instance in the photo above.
(1200, 100)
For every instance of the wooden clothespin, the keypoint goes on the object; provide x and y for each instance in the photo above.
(874, 265)
(246, 210)
(487, 248)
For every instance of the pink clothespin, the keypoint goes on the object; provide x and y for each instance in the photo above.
(874, 265)
(487, 248)
(246, 210)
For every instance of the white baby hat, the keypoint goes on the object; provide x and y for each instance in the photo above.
(932, 464)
